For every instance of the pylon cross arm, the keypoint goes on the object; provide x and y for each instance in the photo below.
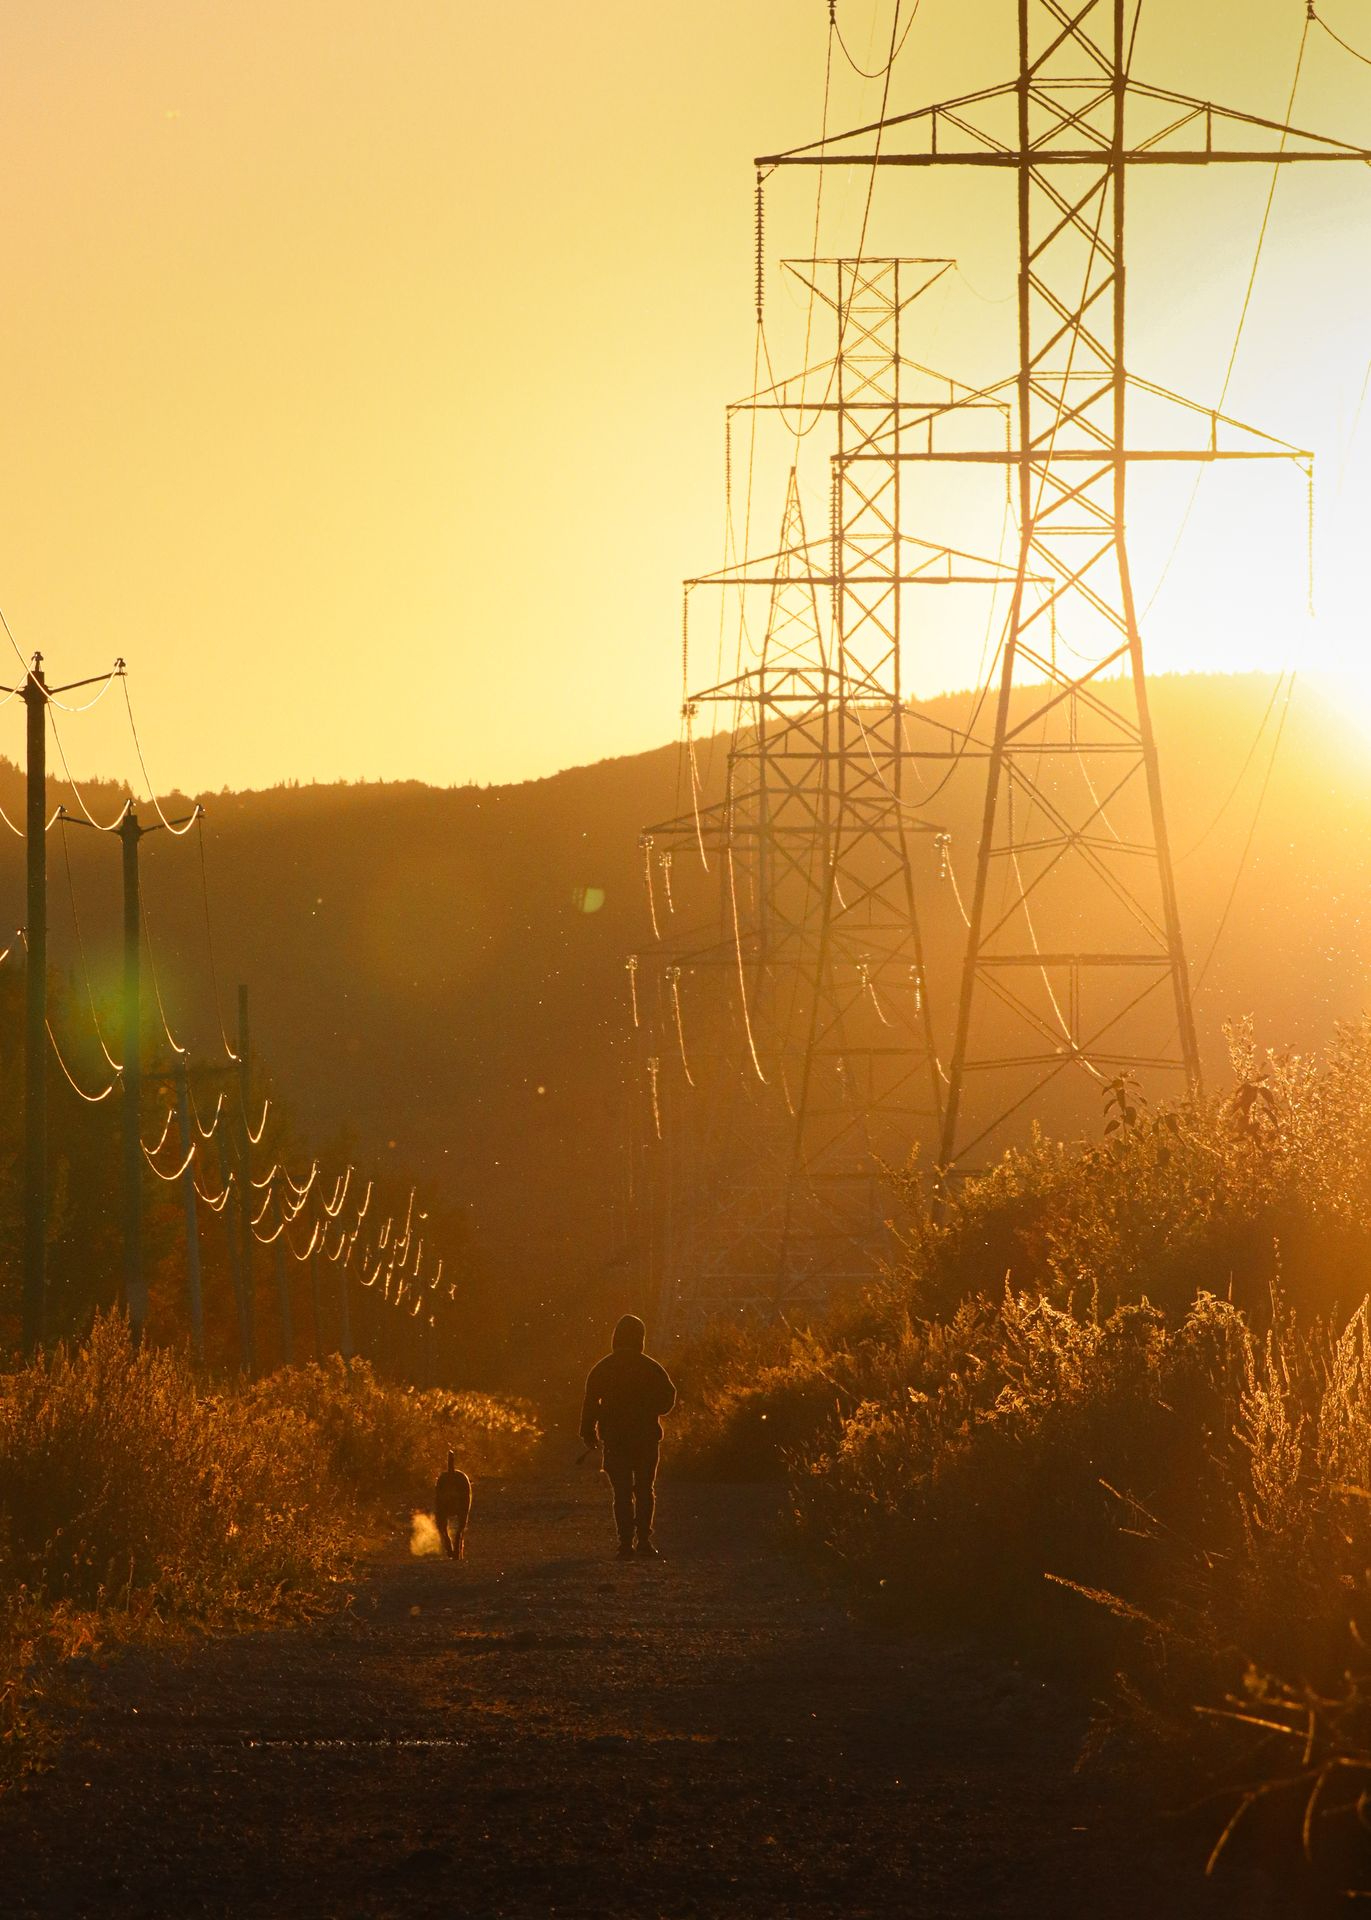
(987, 148)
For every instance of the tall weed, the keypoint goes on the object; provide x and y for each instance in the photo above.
(1112, 1407)
(132, 1498)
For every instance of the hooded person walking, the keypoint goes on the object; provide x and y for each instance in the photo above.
(626, 1395)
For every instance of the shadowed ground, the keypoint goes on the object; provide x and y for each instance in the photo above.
(545, 1731)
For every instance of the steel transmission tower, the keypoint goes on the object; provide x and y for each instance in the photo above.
(794, 1053)
(1074, 956)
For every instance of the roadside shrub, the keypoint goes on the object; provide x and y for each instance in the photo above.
(379, 1442)
(1112, 1408)
(1226, 1195)
(118, 1478)
(749, 1429)
(132, 1498)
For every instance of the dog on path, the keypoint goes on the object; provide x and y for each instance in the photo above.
(452, 1508)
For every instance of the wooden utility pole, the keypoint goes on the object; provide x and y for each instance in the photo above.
(344, 1304)
(245, 1183)
(36, 693)
(188, 1196)
(316, 1255)
(35, 698)
(283, 1288)
(228, 1177)
(135, 1281)
(130, 833)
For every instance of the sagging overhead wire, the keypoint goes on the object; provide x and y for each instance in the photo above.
(65, 706)
(91, 1099)
(674, 982)
(277, 1232)
(334, 1207)
(651, 896)
(689, 715)
(1266, 216)
(115, 1065)
(205, 1132)
(298, 1188)
(18, 832)
(171, 1040)
(296, 1208)
(896, 49)
(1251, 836)
(15, 644)
(171, 1177)
(742, 973)
(313, 1243)
(103, 826)
(1195, 845)
(1276, 171)
(186, 825)
(1346, 45)
(215, 1202)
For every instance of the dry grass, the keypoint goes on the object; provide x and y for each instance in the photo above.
(1108, 1412)
(133, 1500)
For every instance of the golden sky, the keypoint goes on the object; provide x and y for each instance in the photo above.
(363, 363)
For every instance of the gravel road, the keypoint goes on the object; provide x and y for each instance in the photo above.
(542, 1730)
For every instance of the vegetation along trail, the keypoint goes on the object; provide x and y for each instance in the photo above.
(544, 1730)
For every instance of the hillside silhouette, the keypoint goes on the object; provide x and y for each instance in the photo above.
(439, 974)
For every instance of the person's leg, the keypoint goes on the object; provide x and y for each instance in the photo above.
(645, 1500)
(620, 1474)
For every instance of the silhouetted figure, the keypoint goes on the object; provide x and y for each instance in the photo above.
(626, 1395)
(452, 1508)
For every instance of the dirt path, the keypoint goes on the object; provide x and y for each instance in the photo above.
(544, 1731)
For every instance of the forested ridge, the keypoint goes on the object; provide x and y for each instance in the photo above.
(438, 979)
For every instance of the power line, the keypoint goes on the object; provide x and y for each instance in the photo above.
(91, 1099)
(1346, 45)
(81, 950)
(1247, 844)
(171, 1178)
(66, 707)
(1242, 773)
(103, 826)
(171, 828)
(875, 73)
(1242, 319)
(205, 1132)
(171, 1039)
(26, 665)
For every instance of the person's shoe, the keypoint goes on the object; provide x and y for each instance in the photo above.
(625, 1550)
(646, 1551)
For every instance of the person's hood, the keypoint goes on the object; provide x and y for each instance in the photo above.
(630, 1336)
